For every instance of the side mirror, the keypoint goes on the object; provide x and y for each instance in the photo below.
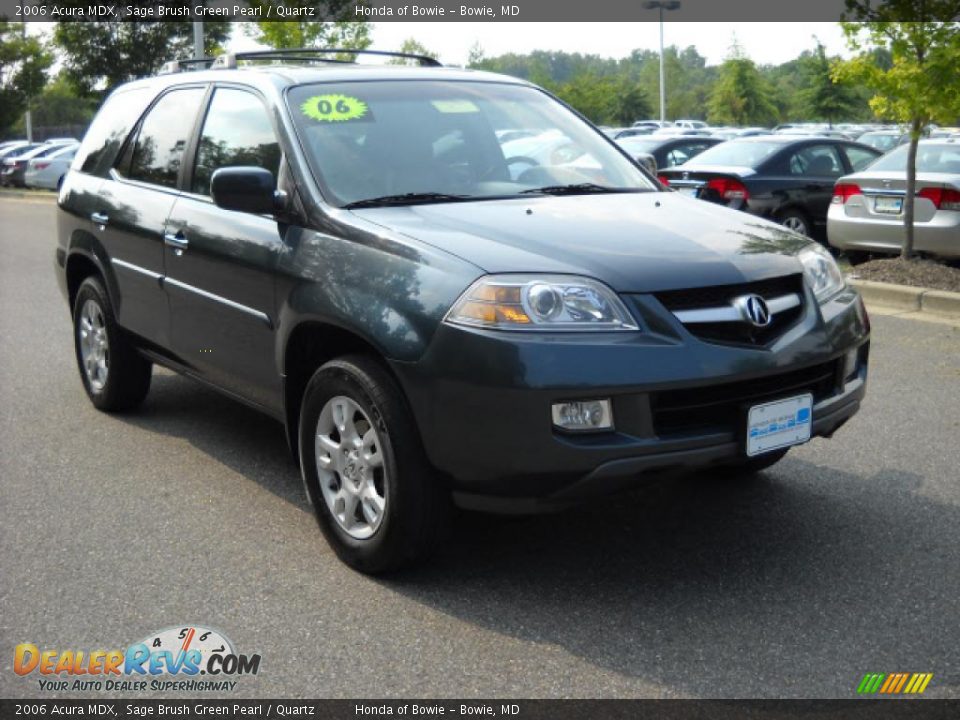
(245, 189)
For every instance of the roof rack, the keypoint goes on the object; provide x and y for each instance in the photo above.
(228, 61)
(175, 66)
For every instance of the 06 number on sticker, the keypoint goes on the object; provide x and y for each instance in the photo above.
(334, 108)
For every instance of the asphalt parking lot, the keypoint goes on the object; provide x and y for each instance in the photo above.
(844, 559)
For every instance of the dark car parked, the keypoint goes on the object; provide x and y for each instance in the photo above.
(348, 249)
(779, 177)
(669, 151)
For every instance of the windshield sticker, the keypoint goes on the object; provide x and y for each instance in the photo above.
(334, 108)
(455, 106)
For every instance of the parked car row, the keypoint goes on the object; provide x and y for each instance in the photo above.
(36, 165)
(846, 194)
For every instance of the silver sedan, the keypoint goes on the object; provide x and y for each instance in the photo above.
(47, 172)
(866, 213)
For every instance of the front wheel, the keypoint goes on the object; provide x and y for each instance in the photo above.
(377, 500)
(114, 374)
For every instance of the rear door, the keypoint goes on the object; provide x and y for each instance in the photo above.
(131, 209)
(219, 263)
(814, 169)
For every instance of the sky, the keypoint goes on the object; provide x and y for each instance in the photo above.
(765, 42)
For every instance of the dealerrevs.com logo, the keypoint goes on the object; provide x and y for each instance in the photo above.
(191, 658)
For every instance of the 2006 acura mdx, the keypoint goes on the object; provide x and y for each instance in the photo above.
(346, 247)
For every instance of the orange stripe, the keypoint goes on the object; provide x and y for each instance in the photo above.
(903, 679)
(888, 682)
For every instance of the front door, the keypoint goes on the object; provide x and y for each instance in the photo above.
(220, 264)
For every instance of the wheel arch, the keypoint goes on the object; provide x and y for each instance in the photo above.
(81, 263)
(308, 346)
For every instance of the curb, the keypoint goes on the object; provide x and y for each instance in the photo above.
(28, 195)
(909, 299)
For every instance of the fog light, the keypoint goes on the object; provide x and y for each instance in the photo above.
(583, 415)
(850, 363)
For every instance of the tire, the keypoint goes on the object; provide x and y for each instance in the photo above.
(378, 515)
(120, 376)
(747, 467)
(797, 221)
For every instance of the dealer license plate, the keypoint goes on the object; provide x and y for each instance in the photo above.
(779, 424)
(888, 205)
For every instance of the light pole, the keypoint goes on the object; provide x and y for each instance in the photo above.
(662, 5)
(198, 39)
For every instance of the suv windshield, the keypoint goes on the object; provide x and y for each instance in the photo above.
(406, 142)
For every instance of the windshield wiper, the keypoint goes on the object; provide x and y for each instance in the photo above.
(576, 189)
(406, 199)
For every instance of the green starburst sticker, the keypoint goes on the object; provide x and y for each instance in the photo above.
(334, 108)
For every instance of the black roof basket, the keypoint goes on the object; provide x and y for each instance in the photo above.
(228, 61)
(175, 66)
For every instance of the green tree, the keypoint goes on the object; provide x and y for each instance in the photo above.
(920, 85)
(476, 55)
(413, 47)
(340, 32)
(827, 98)
(741, 95)
(99, 55)
(23, 72)
(60, 104)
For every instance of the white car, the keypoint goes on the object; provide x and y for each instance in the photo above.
(866, 214)
(47, 172)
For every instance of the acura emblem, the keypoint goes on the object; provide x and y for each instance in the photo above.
(754, 310)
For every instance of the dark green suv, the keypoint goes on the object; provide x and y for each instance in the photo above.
(447, 285)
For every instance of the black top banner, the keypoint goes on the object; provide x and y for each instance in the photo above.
(440, 10)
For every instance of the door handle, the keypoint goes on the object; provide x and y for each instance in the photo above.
(100, 219)
(176, 241)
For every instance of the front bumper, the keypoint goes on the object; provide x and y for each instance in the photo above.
(482, 400)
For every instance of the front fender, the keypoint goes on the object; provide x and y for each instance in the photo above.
(392, 292)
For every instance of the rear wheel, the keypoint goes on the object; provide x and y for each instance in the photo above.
(377, 500)
(797, 221)
(114, 374)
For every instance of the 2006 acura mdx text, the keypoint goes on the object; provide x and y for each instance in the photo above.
(347, 248)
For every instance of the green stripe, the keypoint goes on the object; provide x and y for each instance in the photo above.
(879, 681)
(862, 688)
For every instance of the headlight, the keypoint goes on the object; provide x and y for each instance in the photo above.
(821, 272)
(540, 302)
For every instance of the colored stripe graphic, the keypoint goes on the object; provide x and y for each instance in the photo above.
(894, 683)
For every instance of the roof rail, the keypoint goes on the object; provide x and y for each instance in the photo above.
(228, 61)
(175, 66)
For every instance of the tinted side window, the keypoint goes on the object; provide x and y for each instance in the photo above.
(163, 137)
(109, 129)
(858, 157)
(816, 160)
(236, 131)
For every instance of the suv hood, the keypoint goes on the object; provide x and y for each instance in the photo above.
(642, 242)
